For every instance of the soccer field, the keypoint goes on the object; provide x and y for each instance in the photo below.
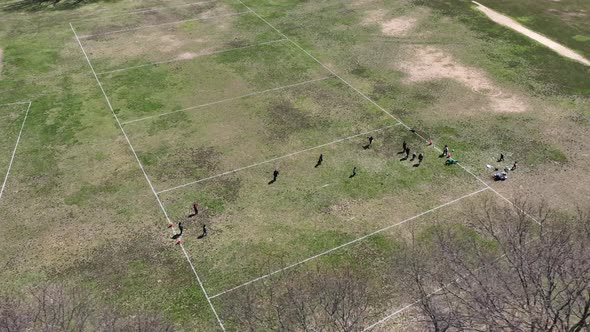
(140, 109)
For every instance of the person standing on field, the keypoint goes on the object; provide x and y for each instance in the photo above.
(195, 210)
(420, 158)
(320, 160)
(275, 175)
(445, 151)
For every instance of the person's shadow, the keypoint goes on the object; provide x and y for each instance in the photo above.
(201, 236)
(366, 147)
(416, 165)
(404, 158)
(272, 181)
(176, 236)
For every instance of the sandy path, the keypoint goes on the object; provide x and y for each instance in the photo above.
(512, 24)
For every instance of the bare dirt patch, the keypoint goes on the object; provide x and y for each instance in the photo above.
(430, 63)
(187, 56)
(395, 27)
(398, 26)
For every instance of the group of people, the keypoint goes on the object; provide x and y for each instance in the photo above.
(500, 176)
(503, 175)
(181, 226)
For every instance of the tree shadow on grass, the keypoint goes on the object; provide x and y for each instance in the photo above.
(40, 5)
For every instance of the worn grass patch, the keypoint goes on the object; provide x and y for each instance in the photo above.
(250, 130)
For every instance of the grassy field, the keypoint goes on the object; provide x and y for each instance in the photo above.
(214, 96)
(564, 21)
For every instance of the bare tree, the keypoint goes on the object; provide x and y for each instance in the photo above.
(58, 307)
(318, 300)
(511, 275)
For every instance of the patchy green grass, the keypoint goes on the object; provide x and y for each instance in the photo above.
(78, 206)
(564, 21)
(310, 208)
(11, 119)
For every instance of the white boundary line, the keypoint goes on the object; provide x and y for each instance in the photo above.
(154, 9)
(162, 24)
(197, 56)
(144, 173)
(276, 158)
(16, 145)
(229, 99)
(350, 242)
(16, 103)
(321, 64)
(369, 99)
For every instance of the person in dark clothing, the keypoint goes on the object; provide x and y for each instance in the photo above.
(420, 158)
(320, 160)
(407, 152)
(501, 158)
(181, 228)
(370, 140)
(404, 146)
(514, 166)
(413, 156)
(275, 175)
(195, 210)
(204, 230)
(353, 172)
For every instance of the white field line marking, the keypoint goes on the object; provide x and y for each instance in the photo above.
(365, 96)
(324, 66)
(229, 99)
(16, 103)
(202, 287)
(15, 146)
(276, 158)
(155, 9)
(187, 59)
(142, 169)
(514, 25)
(162, 24)
(351, 242)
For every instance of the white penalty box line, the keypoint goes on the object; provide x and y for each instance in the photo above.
(145, 174)
(140, 11)
(230, 99)
(373, 102)
(22, 127)
(277, 158)
(162, 24)
(350, 242)
(196, 56)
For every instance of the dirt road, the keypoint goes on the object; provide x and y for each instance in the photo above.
(512, 24)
